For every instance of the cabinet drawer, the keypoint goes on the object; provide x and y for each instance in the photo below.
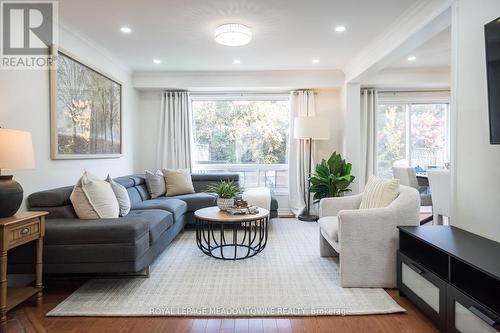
(24, 233)
(423, 288)
(465, 315)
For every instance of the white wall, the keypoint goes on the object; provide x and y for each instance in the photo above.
(475, 163)
(24, 96)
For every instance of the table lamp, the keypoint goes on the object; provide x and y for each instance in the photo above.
(310, 128)
(16, 152)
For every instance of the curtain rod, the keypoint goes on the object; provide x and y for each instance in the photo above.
(240, 93)
(296, 92)
(244, 93)
(412, 91)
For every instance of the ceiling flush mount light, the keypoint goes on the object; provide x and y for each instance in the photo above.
(339, 28)
(315, 61)
(125, 30)
(233, 34)
(157, 61)
(237, 61)
(412, 58)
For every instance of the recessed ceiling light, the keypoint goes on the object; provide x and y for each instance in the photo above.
(340, 28)
(237, 61)
(412, 58)
(233, 34)
(157, 61)
(315, 61)
(126, 30)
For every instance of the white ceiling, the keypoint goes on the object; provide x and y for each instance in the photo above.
(436, 52)
(288, 34)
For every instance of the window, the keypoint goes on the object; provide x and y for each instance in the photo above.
(411, 133)
(247, 134)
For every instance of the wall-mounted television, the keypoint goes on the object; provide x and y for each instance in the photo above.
(492, 37)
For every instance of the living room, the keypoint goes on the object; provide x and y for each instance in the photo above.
(248, 166)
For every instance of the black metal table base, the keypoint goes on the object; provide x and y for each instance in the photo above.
(231, 240)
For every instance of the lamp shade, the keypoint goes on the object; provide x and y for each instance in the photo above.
(16, 150)
(314, 127)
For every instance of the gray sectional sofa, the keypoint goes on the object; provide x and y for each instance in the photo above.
(123, 245)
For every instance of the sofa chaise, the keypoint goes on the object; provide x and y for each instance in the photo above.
(122, 245)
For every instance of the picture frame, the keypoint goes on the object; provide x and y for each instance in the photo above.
(85, 110)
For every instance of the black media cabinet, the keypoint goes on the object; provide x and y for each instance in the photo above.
(452, 275)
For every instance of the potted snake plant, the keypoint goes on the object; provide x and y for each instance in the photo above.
(226, 191)
(331, 178)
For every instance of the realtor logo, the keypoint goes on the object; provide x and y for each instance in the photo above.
(28, 31)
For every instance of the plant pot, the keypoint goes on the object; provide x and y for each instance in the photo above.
(224, 203)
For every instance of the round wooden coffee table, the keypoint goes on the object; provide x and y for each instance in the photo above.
(222, 235)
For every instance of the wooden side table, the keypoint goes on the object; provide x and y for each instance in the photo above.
(16, 230)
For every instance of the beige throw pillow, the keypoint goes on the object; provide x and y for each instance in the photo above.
(178, 181)
(155, 182)
(379, 192)
(94, 198)
(121, 195)
(81, 204)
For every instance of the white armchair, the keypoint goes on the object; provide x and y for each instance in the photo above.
(366, 240)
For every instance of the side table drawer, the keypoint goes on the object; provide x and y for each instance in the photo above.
(25, 232)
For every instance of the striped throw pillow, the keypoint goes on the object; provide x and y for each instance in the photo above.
(379, 192)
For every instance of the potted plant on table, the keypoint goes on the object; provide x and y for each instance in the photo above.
(226, 191)
(331, 178)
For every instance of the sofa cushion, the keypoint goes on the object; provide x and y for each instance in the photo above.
(197, 200)
(329, 226)
(136, 187)
(202, 180)
(51, 198)
(75, 231)
(158, 221)
(274, 201)
(174, 206)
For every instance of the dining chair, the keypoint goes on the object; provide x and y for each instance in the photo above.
(440, 183)
(408, 177)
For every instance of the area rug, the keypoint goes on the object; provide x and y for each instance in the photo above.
(288, 278)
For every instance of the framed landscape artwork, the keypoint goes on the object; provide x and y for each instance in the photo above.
(85, 111)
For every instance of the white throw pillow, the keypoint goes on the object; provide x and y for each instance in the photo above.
(379, 192)
(155, 182)
(121, 195)
(178, 181)
(98, 194)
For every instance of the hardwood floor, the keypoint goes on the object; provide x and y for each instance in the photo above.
(28, 318)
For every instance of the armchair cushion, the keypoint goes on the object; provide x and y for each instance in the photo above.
(379, 192)
(329, 225)
(332, 206)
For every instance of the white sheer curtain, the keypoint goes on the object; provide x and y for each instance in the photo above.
(174, 142)
(369, 103)
(301, 104)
